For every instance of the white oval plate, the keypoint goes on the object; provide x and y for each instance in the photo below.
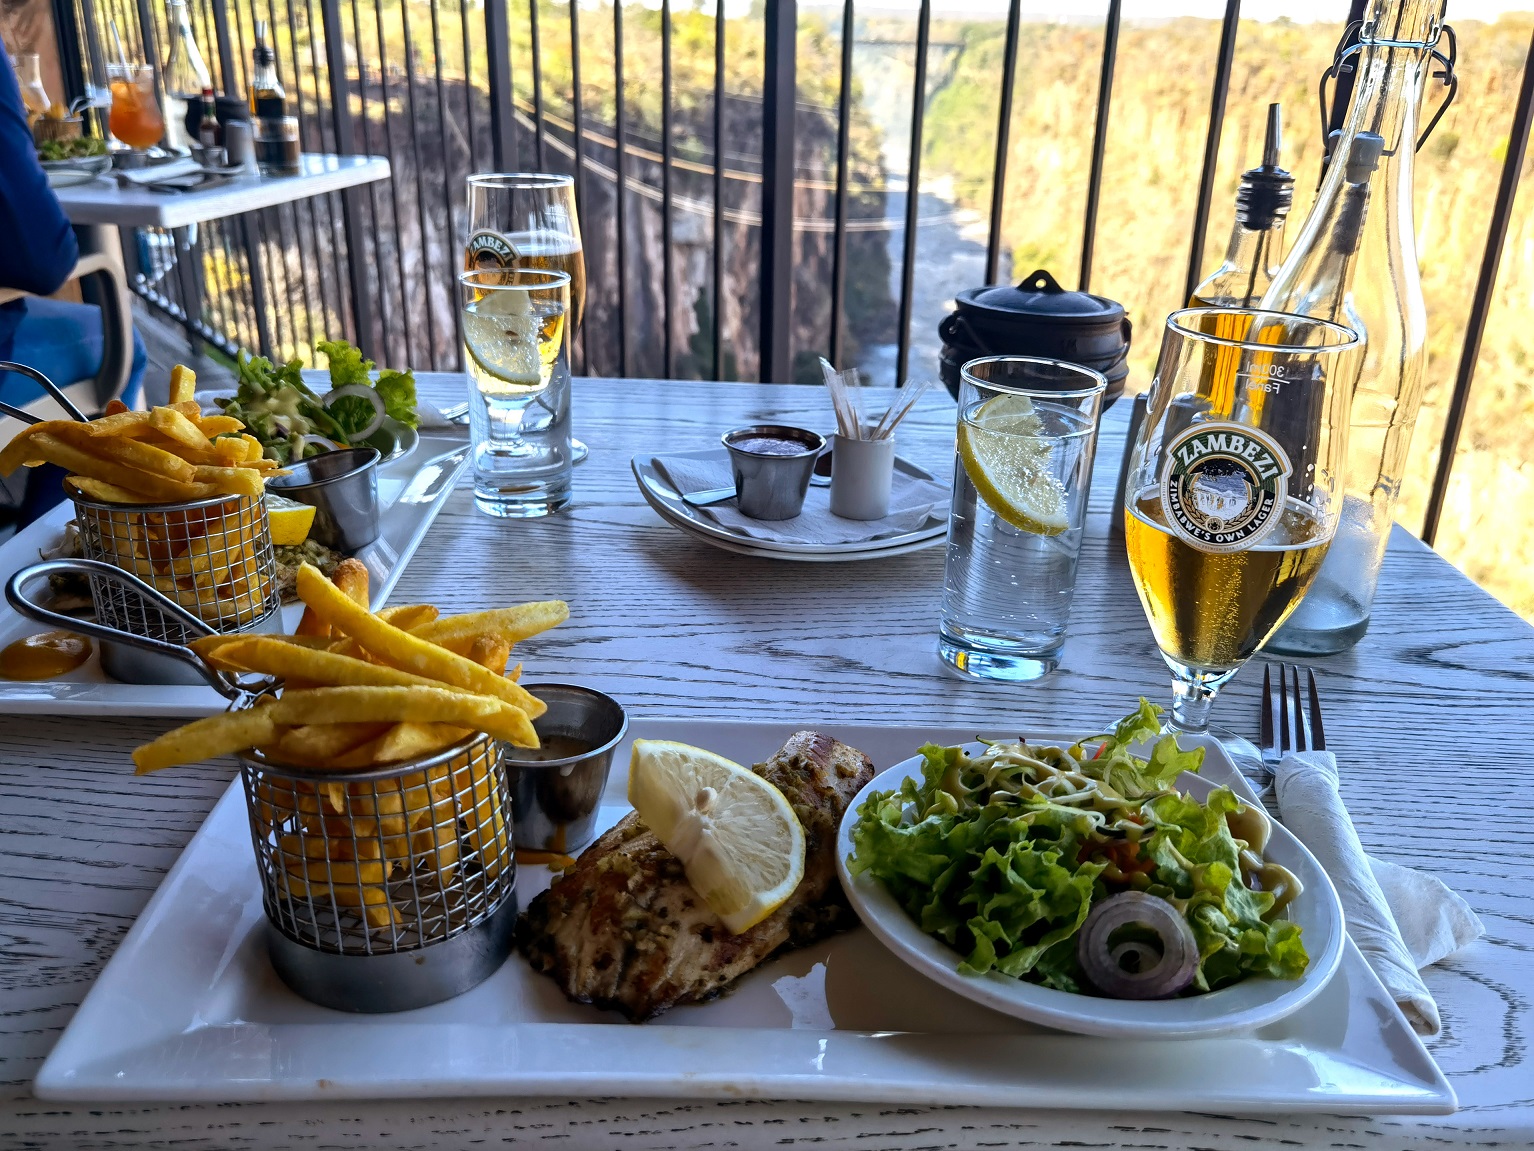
(1253, 1002)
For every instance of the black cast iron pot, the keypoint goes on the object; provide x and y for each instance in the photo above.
(1037, 318)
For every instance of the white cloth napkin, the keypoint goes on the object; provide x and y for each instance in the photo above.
(1402, 920)
(912, 502)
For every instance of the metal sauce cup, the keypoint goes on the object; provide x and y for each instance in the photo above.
(772, 465)
(557, 789)
(343, 488)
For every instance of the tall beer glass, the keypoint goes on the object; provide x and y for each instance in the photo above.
(1235, 486)
(527, 220)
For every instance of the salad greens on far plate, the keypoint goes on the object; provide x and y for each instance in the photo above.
(280, 410)
(1003, 855)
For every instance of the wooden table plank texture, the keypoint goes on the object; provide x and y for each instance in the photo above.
(1432, 717)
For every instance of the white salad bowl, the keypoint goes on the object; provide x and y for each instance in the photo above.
(1253, 1002)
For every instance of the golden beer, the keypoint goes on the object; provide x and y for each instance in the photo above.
(552, 251)
(1211, 610)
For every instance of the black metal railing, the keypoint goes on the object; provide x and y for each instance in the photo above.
(377, 263)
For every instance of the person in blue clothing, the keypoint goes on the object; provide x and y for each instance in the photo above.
(38, 250)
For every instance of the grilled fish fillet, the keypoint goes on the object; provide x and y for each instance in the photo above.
(624, 929)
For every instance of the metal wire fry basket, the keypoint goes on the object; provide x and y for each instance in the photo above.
(212, 556)
(388, 888)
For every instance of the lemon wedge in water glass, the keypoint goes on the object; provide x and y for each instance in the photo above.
(1007, 459)
(500, 332)
(738, 839)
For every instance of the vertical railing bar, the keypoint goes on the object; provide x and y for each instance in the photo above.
(718, 252)
(259, 301)
(420, 200)
(1100, 139)
(668, 264)
(297, 100)
(225, 320)
(242, 57)
(468, 81)
(1003, 143)
(579, 145)
(239, 288)
(839, 228)
(221, 298)
(345, 134)
(92, 61)
(1217, 98)
(395, 214)
(912, 194)
(226, 65)
(291, 239)
(537, 64)
(332, 144)
(385, 327)
(620, 165)
(277, 314)
(1480, 305)
(447, 182)
(779, 88)
(503, 144)
(69, 40)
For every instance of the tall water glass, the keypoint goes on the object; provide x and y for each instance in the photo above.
(1234, 486)
(1027, 434)
(529, 220)
(517, 351)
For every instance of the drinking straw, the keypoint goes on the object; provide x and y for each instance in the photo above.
(122, 53)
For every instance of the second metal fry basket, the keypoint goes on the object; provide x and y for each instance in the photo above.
(389, 888)
(213, 557)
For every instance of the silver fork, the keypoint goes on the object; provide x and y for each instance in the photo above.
(1288, 723)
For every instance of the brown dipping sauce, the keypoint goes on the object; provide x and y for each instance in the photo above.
(46, 655)
(771, 446)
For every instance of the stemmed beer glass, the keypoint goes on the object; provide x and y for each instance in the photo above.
(1235, 486)
(527, 220)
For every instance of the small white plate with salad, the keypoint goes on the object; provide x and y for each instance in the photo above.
(1089, 888)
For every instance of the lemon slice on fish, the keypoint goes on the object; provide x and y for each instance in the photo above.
(739, 841)
(1006, 457)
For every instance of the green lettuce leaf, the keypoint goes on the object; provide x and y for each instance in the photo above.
(346, 363)
(397, 391)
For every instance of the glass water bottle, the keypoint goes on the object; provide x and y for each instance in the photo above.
(186, 75)
(1355, 261)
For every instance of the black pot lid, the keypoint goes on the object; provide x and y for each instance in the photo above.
(1038, 298)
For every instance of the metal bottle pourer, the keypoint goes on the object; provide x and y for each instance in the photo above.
(1266, 191)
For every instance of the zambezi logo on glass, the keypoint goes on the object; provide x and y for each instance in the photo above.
(491, 250)
(1223, 486)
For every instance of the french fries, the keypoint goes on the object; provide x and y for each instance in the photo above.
(208, 560)
(361, 690)
(170, 454)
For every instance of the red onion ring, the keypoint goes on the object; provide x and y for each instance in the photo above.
(1133, 970)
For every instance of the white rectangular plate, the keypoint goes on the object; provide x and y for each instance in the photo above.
(411, 492)
(189, 1009)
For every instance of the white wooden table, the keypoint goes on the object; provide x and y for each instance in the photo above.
(1432, 716)
(105, 201)
(102, 206)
